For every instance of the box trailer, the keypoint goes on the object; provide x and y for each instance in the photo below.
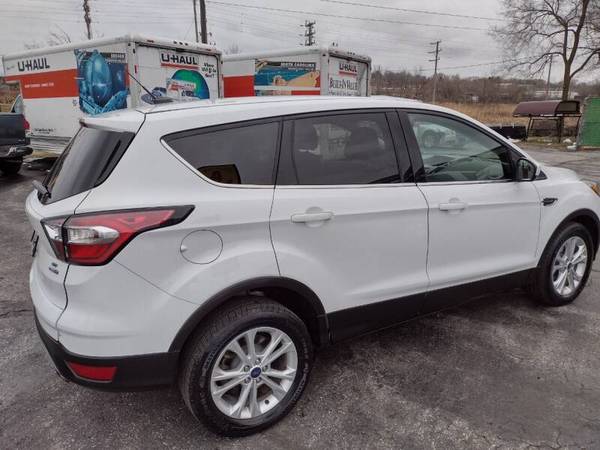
(61, 84)
(298, 71)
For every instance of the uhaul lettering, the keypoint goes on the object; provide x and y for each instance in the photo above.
(174, 59)
(348, 68)
(29, 65)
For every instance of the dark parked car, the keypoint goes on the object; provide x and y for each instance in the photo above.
(14, 144)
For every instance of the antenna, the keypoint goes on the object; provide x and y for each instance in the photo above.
(155, 100)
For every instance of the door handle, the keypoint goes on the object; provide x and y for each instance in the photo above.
(453, 206)
(312, 217)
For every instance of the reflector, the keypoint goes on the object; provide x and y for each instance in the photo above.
(94, 373)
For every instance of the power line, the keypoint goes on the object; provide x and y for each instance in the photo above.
(492, 63)
(340, 16)
(419, 11)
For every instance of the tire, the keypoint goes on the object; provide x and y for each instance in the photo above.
(208, 347)
(10, 167)
(542, 287)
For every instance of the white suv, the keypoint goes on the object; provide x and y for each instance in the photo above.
(218, 243)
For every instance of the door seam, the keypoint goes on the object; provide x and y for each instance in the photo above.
(271, 232)
(428, 238)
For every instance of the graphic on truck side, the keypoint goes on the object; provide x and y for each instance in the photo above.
(102, 81)
(283, 77)
(185, 77)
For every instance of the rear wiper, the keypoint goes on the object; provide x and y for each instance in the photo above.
(41, 189)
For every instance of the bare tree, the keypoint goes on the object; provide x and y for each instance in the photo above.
(56, 36)
(232, 49)
(538, 30)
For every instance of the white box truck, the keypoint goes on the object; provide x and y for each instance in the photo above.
(61, 84)
(298, 71)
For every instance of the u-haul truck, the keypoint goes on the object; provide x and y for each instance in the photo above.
(61, 84)
(299, 71)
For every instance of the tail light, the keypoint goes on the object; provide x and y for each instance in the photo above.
(94, 239)
(26, 125)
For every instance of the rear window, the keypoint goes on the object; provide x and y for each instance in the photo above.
(243, 154)
(86, 162)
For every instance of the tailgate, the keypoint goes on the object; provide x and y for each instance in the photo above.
(48, 273)
(12, 129)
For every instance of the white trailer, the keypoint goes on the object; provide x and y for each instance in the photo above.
(59, 85)
(298, 71)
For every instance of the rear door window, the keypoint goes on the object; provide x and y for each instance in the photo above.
(86, 162)
(340, 149)
(240, 154)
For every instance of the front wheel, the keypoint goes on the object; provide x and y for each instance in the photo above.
(246, 368)
(564, 267)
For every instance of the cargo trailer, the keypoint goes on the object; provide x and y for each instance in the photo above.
(61, 84)
(298, 71)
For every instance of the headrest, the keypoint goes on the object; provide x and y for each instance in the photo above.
(362, 142)
(305, 137)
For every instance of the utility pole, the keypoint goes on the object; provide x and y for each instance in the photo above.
(203, 36)
(309, 34)
(435, 67)
(203, 22)
(549, 74)
(87, 18)
(195, 20)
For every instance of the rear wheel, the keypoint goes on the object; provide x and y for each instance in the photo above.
(10, 167)
(564, 267)
(245, 369)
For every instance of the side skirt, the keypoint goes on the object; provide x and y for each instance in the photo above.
(363, 319)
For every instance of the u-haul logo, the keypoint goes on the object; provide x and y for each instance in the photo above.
(178, 60)
(28, 65)
(348, 68)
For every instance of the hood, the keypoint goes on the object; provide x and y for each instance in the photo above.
(560, 173)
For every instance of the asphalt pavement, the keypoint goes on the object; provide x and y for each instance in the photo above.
(501, 372)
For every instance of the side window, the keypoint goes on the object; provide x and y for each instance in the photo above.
(339, 149)
(240, 155)
(453, 151)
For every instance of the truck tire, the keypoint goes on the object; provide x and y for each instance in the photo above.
(237, 388)
(10, 167)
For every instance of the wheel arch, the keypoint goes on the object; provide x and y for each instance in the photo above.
(292, 294)
(588, 219)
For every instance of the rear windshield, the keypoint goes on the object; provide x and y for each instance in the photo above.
(86, 162)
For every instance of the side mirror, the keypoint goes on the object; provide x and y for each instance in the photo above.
(526, 170)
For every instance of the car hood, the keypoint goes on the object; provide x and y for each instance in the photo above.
(560, 173)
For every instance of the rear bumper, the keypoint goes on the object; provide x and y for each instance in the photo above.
(132, 372)
(14, 152)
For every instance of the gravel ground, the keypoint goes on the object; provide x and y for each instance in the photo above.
(500, 372)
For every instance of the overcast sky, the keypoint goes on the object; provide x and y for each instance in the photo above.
(395, 39)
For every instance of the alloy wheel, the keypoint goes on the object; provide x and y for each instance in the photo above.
(253, 372)
(569, 266)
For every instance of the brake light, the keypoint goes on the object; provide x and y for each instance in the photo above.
(26, 125)
(94, 239)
